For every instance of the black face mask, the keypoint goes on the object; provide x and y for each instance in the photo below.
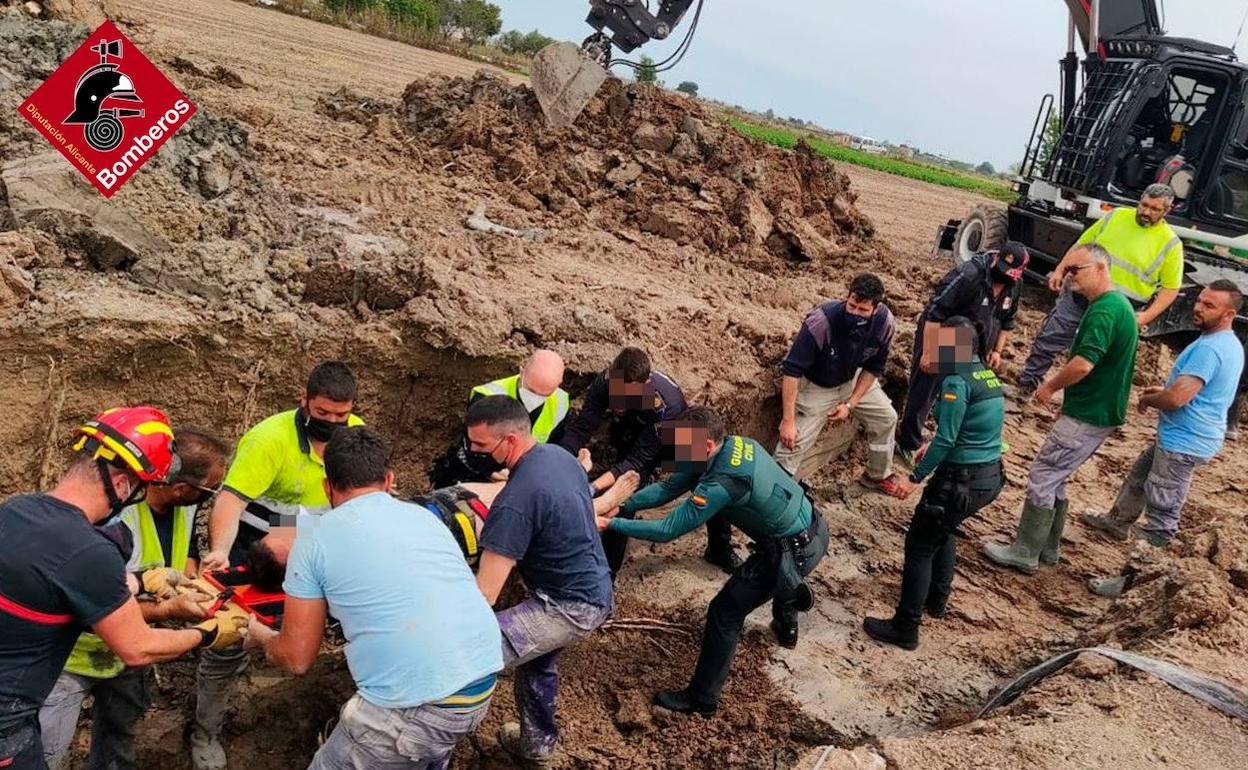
(318, 429)
(115, 504)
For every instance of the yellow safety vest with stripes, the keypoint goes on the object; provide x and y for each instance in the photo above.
(554, 409)
(1143, 259)
(90, 656)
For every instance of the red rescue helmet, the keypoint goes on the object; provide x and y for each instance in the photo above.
(137, 438)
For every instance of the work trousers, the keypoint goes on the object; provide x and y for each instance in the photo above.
(369, 737)
(1056, 334)
(21, 747)
(119, 703)
(816, 446)
(753, 584)
(534, 633)
(952, 495)
(1157, 486)
(1069, 444)
(215, 677)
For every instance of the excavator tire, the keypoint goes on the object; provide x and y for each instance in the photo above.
(986, 227)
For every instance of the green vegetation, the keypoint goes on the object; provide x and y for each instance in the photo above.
(788, 139)
(647, 73)
(688, 87)
(524, 43)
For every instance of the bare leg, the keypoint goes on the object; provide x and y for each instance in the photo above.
(620, 491)
(486, 490)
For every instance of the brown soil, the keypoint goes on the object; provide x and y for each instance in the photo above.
(316, 207)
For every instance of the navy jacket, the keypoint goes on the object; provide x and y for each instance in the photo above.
(966, 290)
(833, 344)
(634, 435)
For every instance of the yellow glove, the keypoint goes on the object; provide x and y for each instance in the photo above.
(225, 629)
(162, 582)
(199, 591)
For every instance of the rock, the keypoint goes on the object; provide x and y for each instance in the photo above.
(92, 12)
(18, 249)
(33, 8)
(47, 194)
(651, 137)
(632, 713)
(624, 174)
(751, 215)
(794, 237)
(1090, 665)
(686, 149)
(525, 200)
(619, 105)
(673, 221)
(214, 178)
(693, 128)
(16, 285)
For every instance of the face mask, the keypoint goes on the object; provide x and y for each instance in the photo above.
(318, 429)
(530, 399)
(947, 360)
(482, 464)
(117, 504)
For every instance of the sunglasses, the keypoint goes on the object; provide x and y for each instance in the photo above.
(1077, 268)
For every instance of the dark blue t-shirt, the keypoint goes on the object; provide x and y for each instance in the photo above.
(544, 519)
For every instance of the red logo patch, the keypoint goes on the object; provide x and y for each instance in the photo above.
(107, 109)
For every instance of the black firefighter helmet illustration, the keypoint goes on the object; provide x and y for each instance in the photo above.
(94, 95)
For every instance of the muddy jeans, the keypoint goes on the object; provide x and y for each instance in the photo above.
(369, 737)
(1068, 446)
(119, 704)
(534, 633)
(215, 676)
(816, 446)
(20, 746)
(1056, 334)
(1157, 486)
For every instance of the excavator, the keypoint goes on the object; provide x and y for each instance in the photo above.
(1139, 107)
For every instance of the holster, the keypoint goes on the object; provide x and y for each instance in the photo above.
(789, 556)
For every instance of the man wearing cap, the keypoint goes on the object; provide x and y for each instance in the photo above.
(983, 289)
(1146, 267)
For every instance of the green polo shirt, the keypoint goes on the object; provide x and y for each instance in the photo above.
(1107, 338)
(274, 466)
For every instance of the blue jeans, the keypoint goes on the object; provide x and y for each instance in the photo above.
(534, 633)
(369, 737)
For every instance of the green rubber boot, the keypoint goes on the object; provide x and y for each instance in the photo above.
(1053, 547)
(1033, 532)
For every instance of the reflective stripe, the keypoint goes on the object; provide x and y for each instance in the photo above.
(255, 521)
(34, 616)
(274, 508)
(1138, 283)
(554, 409)
(148, 552)
(1161, 255)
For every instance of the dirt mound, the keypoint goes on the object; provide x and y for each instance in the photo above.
(643, 156)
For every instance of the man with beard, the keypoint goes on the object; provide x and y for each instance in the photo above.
(1191, 425)
(277, 473)
(1146, 267)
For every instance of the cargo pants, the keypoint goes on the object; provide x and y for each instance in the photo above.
(818, 442)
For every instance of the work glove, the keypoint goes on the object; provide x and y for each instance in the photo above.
(162, 582)
(225, 629)
(199, 591)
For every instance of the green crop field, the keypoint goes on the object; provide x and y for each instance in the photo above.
(942, 176)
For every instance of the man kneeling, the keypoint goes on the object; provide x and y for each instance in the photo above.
(423, 645)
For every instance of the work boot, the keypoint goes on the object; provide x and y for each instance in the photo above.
(1033, 532)
(1155, 538)
(935, 609)
(1052, 551)
(785, 635)
(511, 739)
(1107, 523)
(726, 559)
(887, 631)
(682, 702)
(1109, 587)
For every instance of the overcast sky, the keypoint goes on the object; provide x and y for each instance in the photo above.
(957, 77)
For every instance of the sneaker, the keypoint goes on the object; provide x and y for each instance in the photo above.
(682, 702)
(887, 486)
(510, 738)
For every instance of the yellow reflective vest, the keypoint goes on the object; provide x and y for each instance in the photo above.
(1143, 259)
(553, 410)
(90, 656)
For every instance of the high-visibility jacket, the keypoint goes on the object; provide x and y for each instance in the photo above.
(554, 409)
(90, 656)
(1143, 259)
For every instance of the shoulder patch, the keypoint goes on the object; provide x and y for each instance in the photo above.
(951, 396)
(698, 500)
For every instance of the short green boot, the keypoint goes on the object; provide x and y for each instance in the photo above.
(1033, 532)
(1053, 547)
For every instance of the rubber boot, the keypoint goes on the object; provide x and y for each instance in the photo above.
(1106, 522)
(1052, 551)
(682, 702)
(1033, 532)
(214, 681)
(509, 737)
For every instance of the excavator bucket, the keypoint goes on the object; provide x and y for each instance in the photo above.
(564, 79)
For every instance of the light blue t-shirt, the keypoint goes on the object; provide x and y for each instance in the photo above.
(417, 627)
(1198, 427)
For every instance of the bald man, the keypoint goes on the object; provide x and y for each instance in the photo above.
(537, 386)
